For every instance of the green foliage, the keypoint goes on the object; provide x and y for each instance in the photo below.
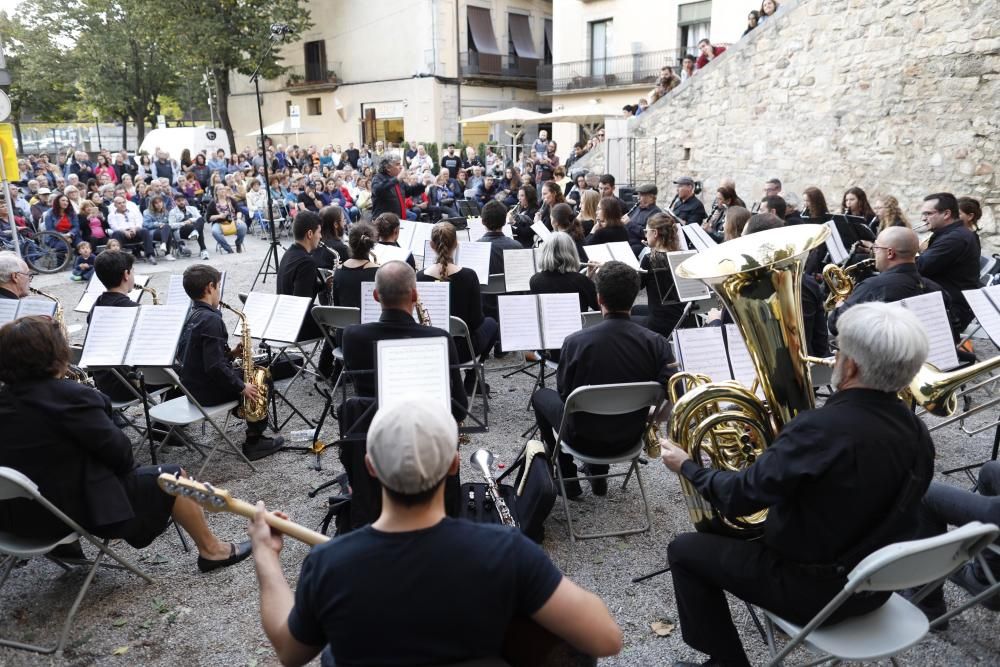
(39, 88)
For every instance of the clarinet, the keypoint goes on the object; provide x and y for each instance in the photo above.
(484, 460)
(629, 214)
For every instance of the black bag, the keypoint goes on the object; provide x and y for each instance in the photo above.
(286, 366)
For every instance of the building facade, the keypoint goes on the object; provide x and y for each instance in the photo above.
(393, 71)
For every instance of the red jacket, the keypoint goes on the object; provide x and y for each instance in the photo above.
(702, 60)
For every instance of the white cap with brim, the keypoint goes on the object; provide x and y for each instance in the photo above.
(411, 445)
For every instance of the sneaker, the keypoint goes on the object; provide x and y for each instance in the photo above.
(256, 448)
(170, 257)
(151, 260)
(76, 278)
(972, 578)
(183, 252)
(194, 235)
(204, 254)
(163, 248)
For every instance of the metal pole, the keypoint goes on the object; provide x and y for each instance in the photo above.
(458, 73)
(10, 207)
(97, 124)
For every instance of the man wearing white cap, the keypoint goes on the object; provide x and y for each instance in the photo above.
(446, 589)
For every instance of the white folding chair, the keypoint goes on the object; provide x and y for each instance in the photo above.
(186, 410)
(330, 320)
(608, 399)
(459, 329)
(898, 624)
(591, 318)
(13, 548)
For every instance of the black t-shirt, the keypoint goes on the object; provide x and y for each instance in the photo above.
(434, 596)
(452, 163)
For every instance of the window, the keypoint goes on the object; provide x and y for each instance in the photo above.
(694, 21)
(484, 54)
(548, 42)
(600, 46)
(315, 53)
(288, 107)
(314, 106)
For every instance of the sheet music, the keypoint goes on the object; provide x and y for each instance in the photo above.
(476, 256)
(176, 295)
(421, 233)
(155, 335)
(257, 310)
(140, 281)
(30, 306)
(406, 230)
(463, 235)
(739, 358)
(687, 289)
(413, 368)
(518, 267)
(477, 229)
(987, 314)
(835, 244)
(622, 252)
(560, 318)
(929, 309)
(390, 253)
(519, 325)
(94, 290)
(539, 228)
(371, 310)
(286, 320)
(8, 310)
(703, 351)
(599, 253)
(435, 297)
(108, 336)
(429, 256)
(699, 238)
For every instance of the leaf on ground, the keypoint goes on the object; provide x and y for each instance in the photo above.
(121, 650)
(159, 559)
(119, 622)
(661, 628)
(252, 662)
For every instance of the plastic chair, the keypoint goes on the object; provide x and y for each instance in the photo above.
(14, 484)
(591, 318)
(898, 624)
(608, 399)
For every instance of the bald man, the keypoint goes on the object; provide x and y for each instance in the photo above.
(895, 252)
(14, 276)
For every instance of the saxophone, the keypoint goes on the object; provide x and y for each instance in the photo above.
(484, 460)
(252, 410)
(74, 373)
(422, 315)
(152, 293)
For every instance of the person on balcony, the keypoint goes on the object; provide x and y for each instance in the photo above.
(709, 52)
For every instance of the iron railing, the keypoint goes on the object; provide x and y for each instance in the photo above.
(630, 70)
(474, 64)
(312, 75)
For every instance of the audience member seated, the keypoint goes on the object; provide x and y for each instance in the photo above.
(952, 255)
(82, 462)
(127, 229)
(224, 216)
(617, 350)
(366, 578)
(186, 223)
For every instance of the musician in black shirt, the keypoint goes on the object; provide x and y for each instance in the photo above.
(521, 216)
(332, 249)
(451, 161)
(664, 307)
(952, 255)
(635, 222)
(494, 215)
(839, 482)
(559, 273)
(688, 207)
(616, 350)
(609, 227)
(358, 269)
(114, 269)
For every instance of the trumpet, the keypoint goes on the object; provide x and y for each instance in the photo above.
(841, 282)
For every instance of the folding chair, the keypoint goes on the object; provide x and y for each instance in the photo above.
(988, 268)
(608, 399)
(898, 624)
(330, 320)
(14, 484)
(459, 329)
(186, 410)
(591, 318)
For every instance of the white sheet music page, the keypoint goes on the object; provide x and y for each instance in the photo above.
(176, 296)
(421, 234)
(35, 306)
(520, 328)
(8, 310)
(406, 230)
(539, 228)
(286, 320)
(413, 368)
(518, 268)
(987, 310)
(560, 318)
(390, 253)
(94, 289)
(108, 336)
(435, 297)
(371, 309)
(686, 288)
(739, 358)
(622, 251)
(835, 244)
(929, 309)
(257, 310)
(464, 235)
(429, 256)
(599, 253)
(699, 238)
(155, 335)
(703, 351)
(477, 229)
(476, 256)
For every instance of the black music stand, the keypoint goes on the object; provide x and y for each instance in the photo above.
(274, 250)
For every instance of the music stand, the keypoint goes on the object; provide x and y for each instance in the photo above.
(467, 208)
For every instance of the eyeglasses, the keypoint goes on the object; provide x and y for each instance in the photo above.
(31, 276)
(881, 247)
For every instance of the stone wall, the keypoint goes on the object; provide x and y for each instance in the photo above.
(898, 97)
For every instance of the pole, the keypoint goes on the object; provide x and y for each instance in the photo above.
(458, 74)
(97, 124)
(265, 267)
(10, 208)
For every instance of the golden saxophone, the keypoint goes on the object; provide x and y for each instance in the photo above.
(422, 315)
(841, 282)
(152, 293)
(252, 410)
(74, 373)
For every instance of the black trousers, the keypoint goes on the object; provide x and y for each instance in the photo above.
(548, 406)
(704, 566)
(142, 236)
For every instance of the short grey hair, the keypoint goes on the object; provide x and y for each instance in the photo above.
(386, 160)
(10, 264)
(559, 254)
(887, 342)
(395, 281)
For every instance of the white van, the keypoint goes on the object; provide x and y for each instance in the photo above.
(176, 139)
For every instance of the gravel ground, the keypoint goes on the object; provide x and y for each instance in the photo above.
(194, 619)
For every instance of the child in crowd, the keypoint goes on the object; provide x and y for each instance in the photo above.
(113, 244)
(83, 266)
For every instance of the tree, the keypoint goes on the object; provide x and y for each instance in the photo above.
(227, 37)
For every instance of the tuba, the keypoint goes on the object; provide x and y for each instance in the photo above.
(841, 282)
(250, 409)
(759, 279)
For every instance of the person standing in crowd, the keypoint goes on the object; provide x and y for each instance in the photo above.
(635, 223)
(752, 20)
(451, 161)
(388, 192)
(952, 255)
(688, 207)
(687, 67)
(839, 482)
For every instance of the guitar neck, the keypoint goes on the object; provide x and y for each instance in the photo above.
(290, 528)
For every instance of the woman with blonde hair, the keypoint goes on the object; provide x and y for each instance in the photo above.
(889, 213)
(589, 199)
(464, 297)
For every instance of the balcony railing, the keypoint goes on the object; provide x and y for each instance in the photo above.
(312, 76)
(630, 70)
(475, 64)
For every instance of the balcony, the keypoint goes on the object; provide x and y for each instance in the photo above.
(519, 72)
(311, 78)
(600, 73)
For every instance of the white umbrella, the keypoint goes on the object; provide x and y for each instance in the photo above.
(284, 127)
(593, 113)
(513, 115)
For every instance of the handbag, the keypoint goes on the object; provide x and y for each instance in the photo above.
(228, 228)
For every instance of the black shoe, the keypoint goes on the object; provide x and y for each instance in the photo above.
(598, 486)
(119, 420)
(972, 578)
(239, 247)
(498, 353)
(933, 605)
(237, 553)
(470, 382)
(71, 551)
(259, 447)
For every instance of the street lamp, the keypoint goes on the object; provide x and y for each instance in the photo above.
(97, 124)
